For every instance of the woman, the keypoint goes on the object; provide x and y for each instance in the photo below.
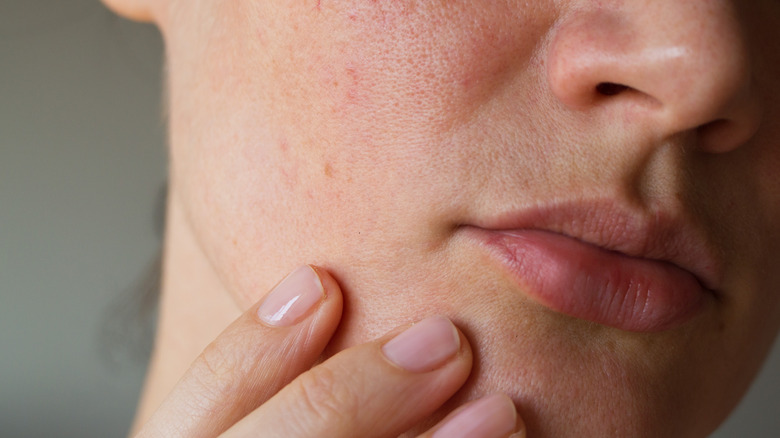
(578, 199)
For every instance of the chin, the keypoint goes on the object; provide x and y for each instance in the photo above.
(597, 392)
(568, 377)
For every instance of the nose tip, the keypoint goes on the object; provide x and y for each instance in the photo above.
(668, 64)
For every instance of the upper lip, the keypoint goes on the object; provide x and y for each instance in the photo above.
(661, 236)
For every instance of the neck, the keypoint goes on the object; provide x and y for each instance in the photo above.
(194, 308)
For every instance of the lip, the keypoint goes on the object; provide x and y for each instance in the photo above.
(611, 266)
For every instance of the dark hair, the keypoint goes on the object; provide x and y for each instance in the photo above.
(127, 329)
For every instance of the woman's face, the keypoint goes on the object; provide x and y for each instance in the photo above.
(590, 189)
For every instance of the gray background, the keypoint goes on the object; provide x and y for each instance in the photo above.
(82, 163)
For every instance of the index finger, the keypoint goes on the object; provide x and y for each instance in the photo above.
(258, 354)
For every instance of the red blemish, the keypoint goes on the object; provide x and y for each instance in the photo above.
(352, 91)
(353, 74)
(284, 145)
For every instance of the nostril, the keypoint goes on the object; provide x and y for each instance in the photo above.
(610, 88)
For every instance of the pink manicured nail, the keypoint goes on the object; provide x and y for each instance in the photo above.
(424, 346)
(292, 299)
(493, 416)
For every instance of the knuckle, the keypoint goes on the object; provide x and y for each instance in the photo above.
(216, 361)
(327, 396)
(217, 368)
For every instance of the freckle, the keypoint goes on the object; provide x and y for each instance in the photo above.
(328, 170)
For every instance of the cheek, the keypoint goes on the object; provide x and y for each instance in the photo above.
(366, 75)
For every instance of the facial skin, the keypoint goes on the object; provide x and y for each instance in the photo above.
(365, 136)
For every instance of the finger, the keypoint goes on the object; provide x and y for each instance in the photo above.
(258, 354)
(379, 389)
(492, 416)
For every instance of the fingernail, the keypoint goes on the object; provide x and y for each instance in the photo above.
(292, 299)
(493, 416)
(424, 346)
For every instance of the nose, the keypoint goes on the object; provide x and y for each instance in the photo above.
(673, 66)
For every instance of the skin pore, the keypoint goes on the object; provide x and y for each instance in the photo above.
(368, 137)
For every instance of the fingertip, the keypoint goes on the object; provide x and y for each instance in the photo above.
(465, 352)
(492, 416)
(520, 431)
(330, 286)
(332, 305)
(305, 291)
(426, 345)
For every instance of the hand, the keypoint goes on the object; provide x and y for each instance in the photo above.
(256, 379)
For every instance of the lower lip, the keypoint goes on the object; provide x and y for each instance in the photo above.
(594, 284)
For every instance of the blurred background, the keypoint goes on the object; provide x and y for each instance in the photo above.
(82, 167)
(82, 161)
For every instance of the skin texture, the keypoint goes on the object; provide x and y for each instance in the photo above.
(362, 135)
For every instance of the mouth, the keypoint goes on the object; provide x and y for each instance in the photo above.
(603, 265)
